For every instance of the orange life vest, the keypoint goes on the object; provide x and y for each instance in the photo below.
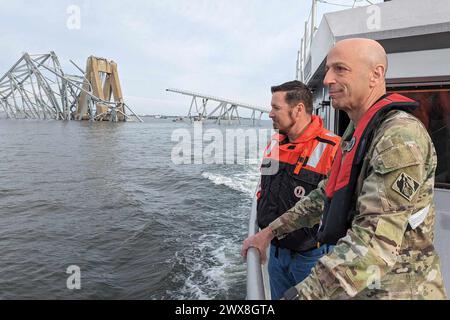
(290, 170)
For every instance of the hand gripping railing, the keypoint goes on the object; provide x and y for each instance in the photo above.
(255, 283)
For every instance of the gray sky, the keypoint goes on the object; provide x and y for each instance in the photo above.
(234, 49)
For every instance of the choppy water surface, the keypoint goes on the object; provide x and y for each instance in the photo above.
(107, 198)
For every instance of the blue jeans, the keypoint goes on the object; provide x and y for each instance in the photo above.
(291, 268)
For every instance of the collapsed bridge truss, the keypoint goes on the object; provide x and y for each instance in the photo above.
(226, 110)
(36, 87)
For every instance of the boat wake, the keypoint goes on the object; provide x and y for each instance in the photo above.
(242, 182)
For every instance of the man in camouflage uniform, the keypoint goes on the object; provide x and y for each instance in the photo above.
(388, 251)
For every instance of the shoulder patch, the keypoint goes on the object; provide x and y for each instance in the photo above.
(406, 186)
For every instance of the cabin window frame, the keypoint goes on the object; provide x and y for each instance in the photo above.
(437, 128)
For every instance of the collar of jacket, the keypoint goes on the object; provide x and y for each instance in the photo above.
(311, 131)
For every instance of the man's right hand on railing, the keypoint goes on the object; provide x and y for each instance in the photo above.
(260, 241)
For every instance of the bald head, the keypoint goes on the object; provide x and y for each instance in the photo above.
(355, 75)
(368, 51)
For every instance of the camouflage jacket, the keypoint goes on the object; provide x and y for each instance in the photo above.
(388, 252)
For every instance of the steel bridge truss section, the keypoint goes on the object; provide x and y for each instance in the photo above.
(225, 111)
(36, 87)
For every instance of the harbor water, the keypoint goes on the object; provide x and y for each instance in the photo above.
(107, 198)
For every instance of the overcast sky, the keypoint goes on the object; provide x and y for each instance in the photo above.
(234, 49)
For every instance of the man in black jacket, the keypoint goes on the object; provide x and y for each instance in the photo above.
(303, 152)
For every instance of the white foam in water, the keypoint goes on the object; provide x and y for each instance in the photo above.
(191, 288)
(217, 266)
(243, 182)
(230, 264)
(217, 273)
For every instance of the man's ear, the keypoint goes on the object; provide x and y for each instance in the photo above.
(301, 107)
(377, 75)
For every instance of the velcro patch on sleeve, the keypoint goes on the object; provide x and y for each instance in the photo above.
(406, 186)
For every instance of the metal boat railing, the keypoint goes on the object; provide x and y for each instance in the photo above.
(256, 274)
(255, 280)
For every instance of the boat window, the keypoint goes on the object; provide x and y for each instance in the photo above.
(434, 112)
(341, 122)
(321, 111)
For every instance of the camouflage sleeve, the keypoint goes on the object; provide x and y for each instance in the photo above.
(399, 182)
(306, 213)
